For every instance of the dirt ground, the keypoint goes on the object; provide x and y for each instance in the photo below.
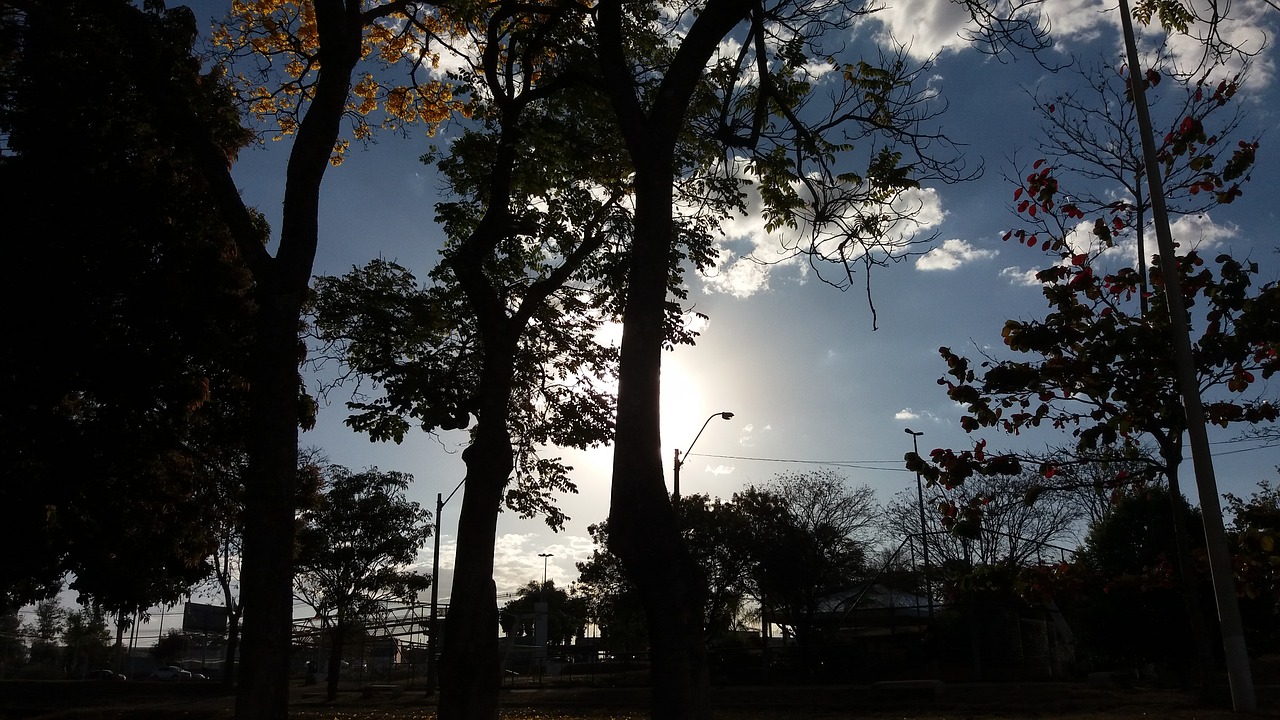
(1047, 701)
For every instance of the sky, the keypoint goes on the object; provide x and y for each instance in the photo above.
(810, 382)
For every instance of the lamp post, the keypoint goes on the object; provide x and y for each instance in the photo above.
(675, 473)
(433, 625)
(924, 529)
(545, 557)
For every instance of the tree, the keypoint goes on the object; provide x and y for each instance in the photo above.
(716, 534)
(1013, 531)
(170, 648)
(50, 620)
(352, 548)
(1255, 531)
(806, 537)
(1108, 376)
(566, 614)
(135, 307)
(1189, 371)
(297, 63)
(612, 602)
(1091, 136)
(1133, 609)
(87, 641)
(13, 651)
(537, 223)
(734, 100)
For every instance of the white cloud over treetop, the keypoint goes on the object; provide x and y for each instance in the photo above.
(934, 27)
(951, 255)
(1019, 276)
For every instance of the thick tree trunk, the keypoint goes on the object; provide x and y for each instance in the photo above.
(469, 661)
(643, 530)
(267, 571)
(336, 642)
(267, 574)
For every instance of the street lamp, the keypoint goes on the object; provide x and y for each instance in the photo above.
(545, 557)
(675, 482)
(924, 530)
(432, 623)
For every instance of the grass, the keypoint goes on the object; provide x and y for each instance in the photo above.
(1042, 701)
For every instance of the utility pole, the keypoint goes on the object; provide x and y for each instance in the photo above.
(1243, 698)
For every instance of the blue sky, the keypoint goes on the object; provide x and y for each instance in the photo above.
(797, 361)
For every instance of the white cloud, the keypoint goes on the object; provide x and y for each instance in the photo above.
(931, 27)
(951, 255)
(909, 414)
(720, 469)
(1200, 232)
(1019, 276)
(925, 27)
(516, 561)
(751, 257)
(1247, 26)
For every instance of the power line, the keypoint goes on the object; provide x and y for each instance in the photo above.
(870, 464)
(855, 464)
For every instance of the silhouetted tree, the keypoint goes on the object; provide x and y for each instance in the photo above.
(352, 549)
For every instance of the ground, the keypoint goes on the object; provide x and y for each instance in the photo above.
(89, 700)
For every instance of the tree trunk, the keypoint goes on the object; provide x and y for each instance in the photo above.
(643, 530)
(337, 640)
(469, 661)
(266, 580)
(233, 644)
(1203, 661)
(281, 286)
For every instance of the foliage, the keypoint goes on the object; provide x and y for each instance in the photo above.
(1108, 376)
(272, 50)
(566, 614)
(1092, 136)
(352, 549)
(1129, 603)
(135, 305)
(612, 603)
(1255, 530)
(805, 537)
(170, 647)
(353, 543)
(1017, 528)
(787, 545)
(87, 641)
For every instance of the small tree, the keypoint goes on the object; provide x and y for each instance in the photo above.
(352, 547)
(1132, 607)
(612, 602)
(50, 620)
(1012, 532)
(1255, 530)
(805, 535)
(13, 651)
(87, 640)
(170, 648)
(566, 614)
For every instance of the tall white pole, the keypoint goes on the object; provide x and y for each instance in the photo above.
(1236, 653)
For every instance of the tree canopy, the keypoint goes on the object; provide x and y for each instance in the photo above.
(127, 362)
(353, 546)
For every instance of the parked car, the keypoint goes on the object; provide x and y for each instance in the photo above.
(170, 672)
(104, 675)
